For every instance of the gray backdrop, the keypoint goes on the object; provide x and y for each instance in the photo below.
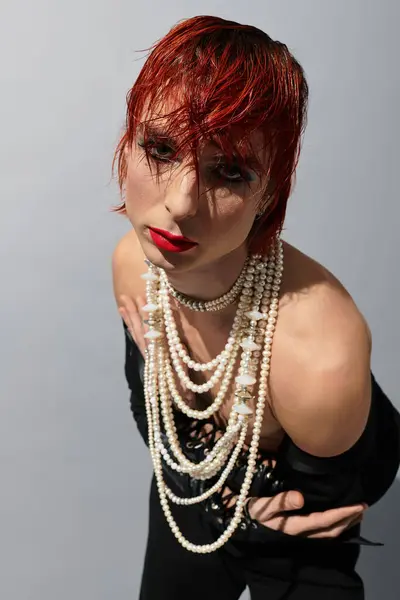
(74, 473)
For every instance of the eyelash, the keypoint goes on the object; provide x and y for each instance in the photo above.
(151, 148)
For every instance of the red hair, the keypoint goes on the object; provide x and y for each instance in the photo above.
(225, 80)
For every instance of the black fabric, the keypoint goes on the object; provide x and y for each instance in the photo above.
(134, 369)
(282, 563)
(286, 568)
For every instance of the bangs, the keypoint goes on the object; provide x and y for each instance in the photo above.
(188, 127)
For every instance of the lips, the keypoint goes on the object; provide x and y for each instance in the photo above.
(169, 241)
(172, 237)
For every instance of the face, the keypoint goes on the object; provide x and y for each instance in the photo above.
(213, 217)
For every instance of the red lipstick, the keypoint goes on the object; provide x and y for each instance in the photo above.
(169, 241)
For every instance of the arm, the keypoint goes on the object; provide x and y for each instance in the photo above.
(325, 404)
(325, 348)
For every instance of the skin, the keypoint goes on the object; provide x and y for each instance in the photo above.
(321, 338)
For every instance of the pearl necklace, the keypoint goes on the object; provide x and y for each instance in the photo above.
(208, 305)
(252, 330)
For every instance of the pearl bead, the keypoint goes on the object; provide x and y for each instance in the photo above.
(149, 276)
(254, 315)
(149, 307)
(245, 380)
(248, 344)
(152, 334)
(242, 409)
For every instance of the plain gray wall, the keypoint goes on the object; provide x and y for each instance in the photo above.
(74, 473)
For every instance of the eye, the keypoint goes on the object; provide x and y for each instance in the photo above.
(232, 173)
(158, 150)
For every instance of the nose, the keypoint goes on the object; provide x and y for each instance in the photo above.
(181, 196)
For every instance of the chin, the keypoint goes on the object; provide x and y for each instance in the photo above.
(170, 261)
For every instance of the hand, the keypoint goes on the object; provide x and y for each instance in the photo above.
(129, 311)
(275, 513)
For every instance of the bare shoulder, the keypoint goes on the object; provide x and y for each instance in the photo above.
(320, 367)
(127, 265)
(316, 307)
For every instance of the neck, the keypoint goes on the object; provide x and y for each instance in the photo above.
(212, 280)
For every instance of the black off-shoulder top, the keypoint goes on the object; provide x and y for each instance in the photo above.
(362, 474)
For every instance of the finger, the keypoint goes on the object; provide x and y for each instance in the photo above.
(264, 509)
(335, 530)
(357, 520)
(316, 523)
(297, 526)
(141, 302)
(124, 314)
(354, 522)
(129, 308)
(129, 313)
(127, 303)
(333, 516)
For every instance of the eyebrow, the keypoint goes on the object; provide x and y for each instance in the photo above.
(154, 131)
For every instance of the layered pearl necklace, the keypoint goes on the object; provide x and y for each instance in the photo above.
(252, 331)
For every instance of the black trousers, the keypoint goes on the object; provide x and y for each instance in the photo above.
(284, 568)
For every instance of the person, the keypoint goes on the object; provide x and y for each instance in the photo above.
(248, 362)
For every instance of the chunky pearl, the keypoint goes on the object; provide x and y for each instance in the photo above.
(149, 276)
(165, 357)
(254, 315)
(242, 409)
(245, 379)
(149, 307)
(248, 344)
(153, 334)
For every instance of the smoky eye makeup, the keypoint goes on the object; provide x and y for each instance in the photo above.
(230, 171)
(159, 150)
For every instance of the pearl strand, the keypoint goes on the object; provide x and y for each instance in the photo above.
(212, 408)
(173, 337)
(220, 482)
(208, 305)
(228, 354)
(151, 395)
(207, 467)
(230, 348)
(171, 434)
(170, 426)
(224, 475)
(227, 533)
